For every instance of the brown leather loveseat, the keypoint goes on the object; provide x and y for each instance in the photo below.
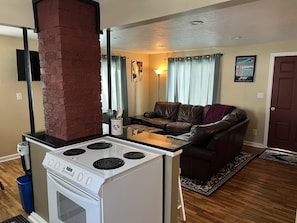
(216, 133)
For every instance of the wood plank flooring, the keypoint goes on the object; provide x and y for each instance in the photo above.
(10, 204)
(262, 192)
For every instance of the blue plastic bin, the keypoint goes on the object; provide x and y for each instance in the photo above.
(26, 192)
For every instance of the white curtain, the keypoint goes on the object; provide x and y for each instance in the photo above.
(119, 98)
(194, 80)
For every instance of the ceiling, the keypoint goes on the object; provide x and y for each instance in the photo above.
(251, 23)
(254, 22)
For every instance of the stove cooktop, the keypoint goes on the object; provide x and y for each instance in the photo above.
(99, 160)
(106, 150)
(105, 163)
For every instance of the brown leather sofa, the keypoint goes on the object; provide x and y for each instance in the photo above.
(172, 117)
(214, 145)
(216, 133)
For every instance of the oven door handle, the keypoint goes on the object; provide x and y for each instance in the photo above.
(72, 191)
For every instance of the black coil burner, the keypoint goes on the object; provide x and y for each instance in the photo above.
(134, 155)
(74, 152)
(108, 163)
(99, 145)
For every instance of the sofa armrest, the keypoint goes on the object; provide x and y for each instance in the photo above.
(150, 115)
(232, 137)
(202, 134)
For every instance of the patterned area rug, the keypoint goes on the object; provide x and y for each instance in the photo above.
(16, 219)
(280, 155)
(220, 178)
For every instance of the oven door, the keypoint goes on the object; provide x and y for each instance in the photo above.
(67, 204)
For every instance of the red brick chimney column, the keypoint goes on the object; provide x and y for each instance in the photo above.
(69, 51)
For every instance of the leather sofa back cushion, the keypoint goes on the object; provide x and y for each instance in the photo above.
(216, 112)
(190, 113)
(167, 110)
(202, 134)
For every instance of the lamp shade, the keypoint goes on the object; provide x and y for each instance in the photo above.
(158, 72)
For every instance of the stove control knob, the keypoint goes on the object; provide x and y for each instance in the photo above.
(80, 176)
(57, 165)
(50, 162)
(89, 181)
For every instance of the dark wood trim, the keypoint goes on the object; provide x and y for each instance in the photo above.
(95, 4)
(35, 13)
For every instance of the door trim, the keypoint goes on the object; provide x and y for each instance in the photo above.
(269, 90)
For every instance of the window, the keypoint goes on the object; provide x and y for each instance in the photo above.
(119, 98)
(194, 80)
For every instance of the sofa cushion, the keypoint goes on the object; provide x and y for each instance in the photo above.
(179, 127)
(190, 113)
(167, 110)
(156, 122)
(216, 112)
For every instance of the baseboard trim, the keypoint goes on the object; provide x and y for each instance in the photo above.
(9, 157)
(35, 218)
(254, 144)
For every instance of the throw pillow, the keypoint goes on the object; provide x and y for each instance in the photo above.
(216, 112)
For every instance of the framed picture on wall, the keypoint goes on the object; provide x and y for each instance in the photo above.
(245, 68)
(136, 71)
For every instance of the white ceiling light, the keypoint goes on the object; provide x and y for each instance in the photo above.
(197, 22)
(236, 37)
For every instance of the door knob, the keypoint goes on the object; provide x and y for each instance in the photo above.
(272, 109)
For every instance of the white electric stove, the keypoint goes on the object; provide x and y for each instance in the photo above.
(105, 180)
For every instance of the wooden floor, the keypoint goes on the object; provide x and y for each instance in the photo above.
(10, 204)
(263, 192)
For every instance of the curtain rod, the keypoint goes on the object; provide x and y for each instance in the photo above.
(104, 55)
(190, 57)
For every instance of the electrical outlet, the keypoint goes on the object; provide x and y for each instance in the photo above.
(255, 132)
